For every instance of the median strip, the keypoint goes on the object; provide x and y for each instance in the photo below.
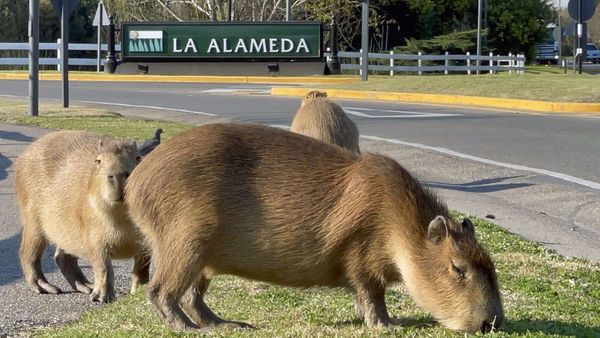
(490, 102)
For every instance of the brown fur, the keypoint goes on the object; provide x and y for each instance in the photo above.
(66, 197)
(320, 118)
(271, 205)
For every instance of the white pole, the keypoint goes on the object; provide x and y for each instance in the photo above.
(491, 63)
(446, 63)
(468, 63)
(420, 63)
(58, 54)
(99, 53)
(34, 55)
(391, 63)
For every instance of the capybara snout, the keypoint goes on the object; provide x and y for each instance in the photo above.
(113, 168)
(271, 205)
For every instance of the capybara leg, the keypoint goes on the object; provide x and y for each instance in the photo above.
(104, 278)
(371, 300)
(173, 276)
(70, 269)
(194, 306)
(141, 271)
(32, 248)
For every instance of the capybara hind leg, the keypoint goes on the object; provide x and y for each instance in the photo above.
(194, 306)
(30, 253)
(104, 278)
(70, 269)
(173, 276)
(141, 271)
(370, 305)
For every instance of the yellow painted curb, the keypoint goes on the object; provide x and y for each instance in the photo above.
(501, 103)
(75, 76)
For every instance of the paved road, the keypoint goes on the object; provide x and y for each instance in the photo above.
(537, 174)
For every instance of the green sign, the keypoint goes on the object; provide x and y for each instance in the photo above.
(227, 41)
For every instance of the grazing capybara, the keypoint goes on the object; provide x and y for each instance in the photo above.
(69, 188)
(320, 118)
(270, 205)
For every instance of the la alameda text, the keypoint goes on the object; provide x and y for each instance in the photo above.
(264, 45)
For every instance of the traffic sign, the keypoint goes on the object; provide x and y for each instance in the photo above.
(588, 7)
(101, 17)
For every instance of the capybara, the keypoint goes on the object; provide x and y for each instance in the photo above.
(320, 118)
(270, 205)
(69, 187)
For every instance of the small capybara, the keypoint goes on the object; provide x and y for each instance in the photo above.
(320, 118)
(69, 187)
(271, 205)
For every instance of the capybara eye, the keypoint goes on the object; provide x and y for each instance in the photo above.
(458, 271)
(110, 178)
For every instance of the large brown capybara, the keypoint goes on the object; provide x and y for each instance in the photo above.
(275, 206)
(69, 188)
(324, 120)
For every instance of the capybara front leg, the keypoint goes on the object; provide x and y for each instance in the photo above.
(32, 248)
(70, 269)
(141, 271)
(371, 302)
(194, 306)
(104, 278)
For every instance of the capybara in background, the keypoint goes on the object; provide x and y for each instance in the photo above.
(69, 188)
(270, 205)
(320, 118)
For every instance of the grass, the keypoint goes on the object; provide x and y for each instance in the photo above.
(538, 83)
(545, 294)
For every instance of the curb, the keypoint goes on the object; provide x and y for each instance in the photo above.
(501, 103)
(184, 78)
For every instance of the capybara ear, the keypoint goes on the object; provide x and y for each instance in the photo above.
(438, 229)
(468, 226)
(100, 144)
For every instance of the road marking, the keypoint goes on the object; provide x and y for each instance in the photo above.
(126, 105)
(362, 112)
(564, 177)
(237, 91)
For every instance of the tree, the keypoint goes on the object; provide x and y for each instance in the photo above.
(518, 25)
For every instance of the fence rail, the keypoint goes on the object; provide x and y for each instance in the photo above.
(378, 62)
(53, 46)
(446, 63)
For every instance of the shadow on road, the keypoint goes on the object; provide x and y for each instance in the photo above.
(10, 268)
(15, 136)
(481, 186)
(5, 162)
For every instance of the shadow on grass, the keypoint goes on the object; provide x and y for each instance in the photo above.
(549, 327)
(396, 322)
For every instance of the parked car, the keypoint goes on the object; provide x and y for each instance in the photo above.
(547, 53)
(593, 53)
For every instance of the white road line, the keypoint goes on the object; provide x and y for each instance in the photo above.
(564, 177)
(405, 114)
(126, 105)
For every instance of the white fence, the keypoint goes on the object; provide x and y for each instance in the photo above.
(446, 63)
(420, 63)
(53, 46)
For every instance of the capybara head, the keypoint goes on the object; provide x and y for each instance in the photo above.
(114, 163)
(313, 94)
(455, 278)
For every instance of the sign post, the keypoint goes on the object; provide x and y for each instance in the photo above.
(100, 19)
(364, 75)
(64, 9)
(34, 54)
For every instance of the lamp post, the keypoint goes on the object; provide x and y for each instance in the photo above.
(478, 35)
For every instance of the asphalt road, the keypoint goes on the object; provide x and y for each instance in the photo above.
(537, 174)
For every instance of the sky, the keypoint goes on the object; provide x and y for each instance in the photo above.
(563, 3)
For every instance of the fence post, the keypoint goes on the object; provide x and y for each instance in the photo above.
(360, 61)
(510, 63)
(491, 63)
(58, 56)
(420, 63)
(446, 63)
(468, 63)
(391, 63)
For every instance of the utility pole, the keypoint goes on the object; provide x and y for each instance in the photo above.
(365, 41)
(288, 10)
(34, 54)
(64, 61)
(477, 63)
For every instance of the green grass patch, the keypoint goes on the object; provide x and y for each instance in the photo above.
(54, 116)
(544, 294)
(538, 83)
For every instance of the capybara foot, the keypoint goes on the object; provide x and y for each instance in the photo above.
(226, 325)
(41, 286)
(102, 295)
(83, 287)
